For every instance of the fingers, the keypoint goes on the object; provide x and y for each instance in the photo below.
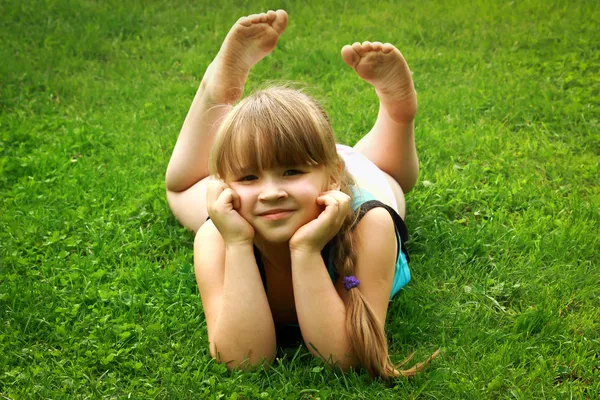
(214, 188)
(337, 205)
(341, 197)
(219, 195)
(235, 199)
(225, 198)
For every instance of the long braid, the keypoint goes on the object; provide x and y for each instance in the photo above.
(364, 331)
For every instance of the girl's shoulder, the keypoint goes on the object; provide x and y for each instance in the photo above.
(376, 223)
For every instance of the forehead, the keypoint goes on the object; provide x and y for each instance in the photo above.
(306, 168)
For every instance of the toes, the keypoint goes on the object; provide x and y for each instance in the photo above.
(363, 48)
(387, 48)
(350, 56)
(277, 19)
(257, 18)
(271, 15)
(246, 21)
(357, 47)
(280, 22)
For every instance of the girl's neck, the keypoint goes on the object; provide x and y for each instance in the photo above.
(277, 255)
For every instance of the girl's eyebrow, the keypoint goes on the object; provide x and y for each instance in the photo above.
(247, 171)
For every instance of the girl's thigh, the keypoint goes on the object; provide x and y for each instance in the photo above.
(189, 206)
(371, 178)
(398, 195)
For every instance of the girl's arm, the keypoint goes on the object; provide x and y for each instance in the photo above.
(321, 311)
(321, 306)
(238, 317)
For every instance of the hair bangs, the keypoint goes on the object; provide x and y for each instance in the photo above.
(275, 131)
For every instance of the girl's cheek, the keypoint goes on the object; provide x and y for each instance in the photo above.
(245, 203)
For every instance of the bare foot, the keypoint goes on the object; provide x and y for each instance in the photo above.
(384, 67)
(250, 39)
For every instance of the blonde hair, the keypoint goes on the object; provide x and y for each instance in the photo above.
(280, 126)
(273, 127)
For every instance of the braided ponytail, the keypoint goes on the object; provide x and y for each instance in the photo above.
(364, 331)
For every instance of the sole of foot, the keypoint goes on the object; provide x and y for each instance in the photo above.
(250, 39)
(383, 66)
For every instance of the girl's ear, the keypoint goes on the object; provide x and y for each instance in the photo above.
(335, 178)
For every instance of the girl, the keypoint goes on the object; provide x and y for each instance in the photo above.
(292, 230)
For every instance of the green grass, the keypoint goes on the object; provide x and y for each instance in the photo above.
(97, 293)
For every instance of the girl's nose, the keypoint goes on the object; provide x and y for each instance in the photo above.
(271, 190)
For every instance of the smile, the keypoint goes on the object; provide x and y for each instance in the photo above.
(276, 215)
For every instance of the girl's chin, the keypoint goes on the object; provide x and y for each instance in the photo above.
(275, 237)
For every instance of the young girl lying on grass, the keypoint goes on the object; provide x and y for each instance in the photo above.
(293, 230)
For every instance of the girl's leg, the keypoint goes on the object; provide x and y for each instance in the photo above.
(249, 40)
(391, 142)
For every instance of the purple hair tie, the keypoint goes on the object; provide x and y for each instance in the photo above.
(350, 282)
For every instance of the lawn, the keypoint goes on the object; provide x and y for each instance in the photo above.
(97, 293)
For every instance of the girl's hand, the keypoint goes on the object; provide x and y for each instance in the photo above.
(313, 236)
(222, 204)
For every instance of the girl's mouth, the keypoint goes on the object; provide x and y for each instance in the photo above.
(275, 215)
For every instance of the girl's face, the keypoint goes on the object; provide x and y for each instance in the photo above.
(278, 201)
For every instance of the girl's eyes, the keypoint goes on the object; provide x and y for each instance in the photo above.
(248, 178)
(291, 172)
(287, 172)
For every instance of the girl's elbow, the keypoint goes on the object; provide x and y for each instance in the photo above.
(347, 363)
(244, 359)
(338, 359)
